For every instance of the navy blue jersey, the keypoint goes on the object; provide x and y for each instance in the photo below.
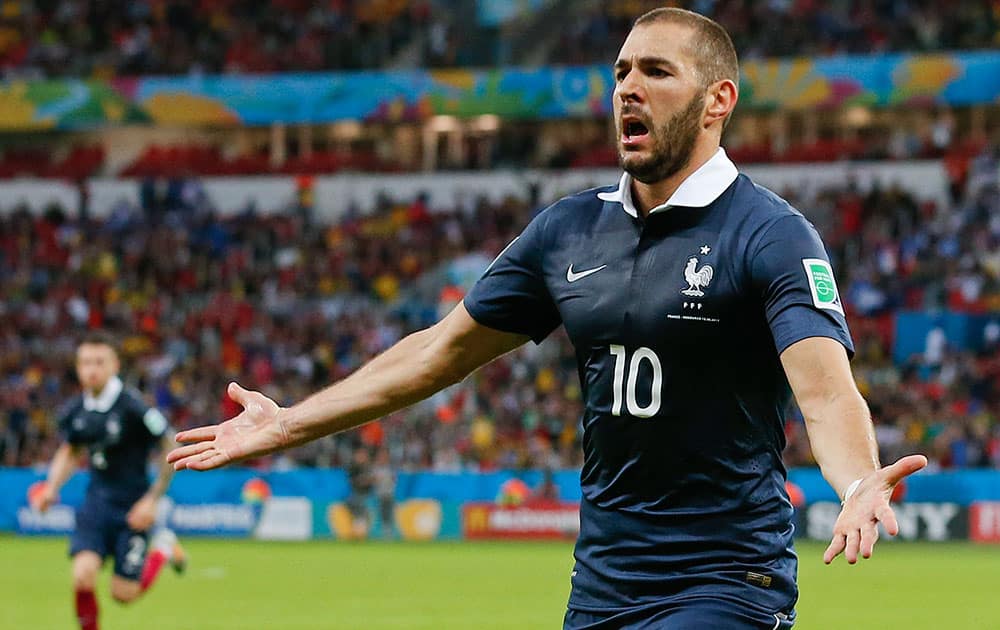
(119, 431)
(678, 322)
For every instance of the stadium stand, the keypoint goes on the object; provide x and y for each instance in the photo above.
(798, 27)
(289, 305)
(75, 38)
(58, 38)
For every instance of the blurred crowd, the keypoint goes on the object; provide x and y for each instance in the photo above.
(278, 302)
(52, 38)
(147, 37)
(285, 304)
(783, 28)
(892, 253)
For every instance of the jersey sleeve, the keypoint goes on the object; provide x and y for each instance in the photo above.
(64, 422)
(511, 295)
(792, 271)
(154, 423)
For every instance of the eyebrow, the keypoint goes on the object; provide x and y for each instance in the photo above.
(648, 61)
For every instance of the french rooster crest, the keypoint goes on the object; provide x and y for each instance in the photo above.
(697, 279)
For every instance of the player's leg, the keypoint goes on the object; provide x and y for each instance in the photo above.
(135, 569)
(87, 548)
(130, 558)
(86, 567)
(164, 548)
(125, 591)
(165, 540)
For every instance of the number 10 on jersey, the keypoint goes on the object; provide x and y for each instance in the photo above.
(631, 404)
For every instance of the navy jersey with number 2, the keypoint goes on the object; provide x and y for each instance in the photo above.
(678, 322)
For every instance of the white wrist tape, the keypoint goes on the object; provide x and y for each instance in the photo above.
(851, 489)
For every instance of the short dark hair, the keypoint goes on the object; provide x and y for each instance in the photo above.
(100, 338)
(711, 45)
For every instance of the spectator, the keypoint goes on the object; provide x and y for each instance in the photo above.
(195, 296)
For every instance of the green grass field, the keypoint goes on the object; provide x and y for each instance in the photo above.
(243, 585)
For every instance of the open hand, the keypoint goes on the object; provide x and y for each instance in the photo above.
(256, 431)
(856, 529)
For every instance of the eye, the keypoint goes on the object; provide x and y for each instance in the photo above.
(620, 75)
(658, 73)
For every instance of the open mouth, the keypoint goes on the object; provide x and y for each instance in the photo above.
(633, 130)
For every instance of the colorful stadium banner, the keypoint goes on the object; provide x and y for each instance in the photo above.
(497, 12)
(532, 521)
(66, 104)
(549, 92)
(312, 503)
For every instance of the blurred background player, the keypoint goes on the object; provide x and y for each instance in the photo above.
(117, 431)
(384, 478)
(361, 481)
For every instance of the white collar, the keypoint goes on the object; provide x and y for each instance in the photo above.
(701, 187)
(107, 397)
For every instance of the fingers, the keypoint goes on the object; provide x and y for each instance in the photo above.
(887, 517)
(178, 454)
(903, 467)
(201, 456)
(239, 394)
(208, 460)
(197, 435)
(836, 546)
(869, 536)
(851, 548)
(852, 544)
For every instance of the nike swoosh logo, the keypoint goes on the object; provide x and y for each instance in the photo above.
(572, 276)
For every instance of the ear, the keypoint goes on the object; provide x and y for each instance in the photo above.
(721, 100)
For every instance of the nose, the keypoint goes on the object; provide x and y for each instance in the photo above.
(629, 89)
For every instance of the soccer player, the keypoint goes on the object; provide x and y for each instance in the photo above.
(697, 302)
(117, 430)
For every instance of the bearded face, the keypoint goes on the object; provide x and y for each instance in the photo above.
(651, 152)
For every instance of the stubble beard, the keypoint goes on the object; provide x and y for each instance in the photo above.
(673, 144)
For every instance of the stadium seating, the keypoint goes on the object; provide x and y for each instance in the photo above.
(217, 36)
(80, 162)
(287, 305)
(203, 160)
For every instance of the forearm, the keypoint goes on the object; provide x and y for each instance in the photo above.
(62, 467)
(166, 472)
(842, 438)
(413, 369)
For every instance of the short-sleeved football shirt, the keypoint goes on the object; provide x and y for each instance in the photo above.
(119, 431)
(678, 321)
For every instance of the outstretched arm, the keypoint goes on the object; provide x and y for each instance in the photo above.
(843, 443)
(416, 367)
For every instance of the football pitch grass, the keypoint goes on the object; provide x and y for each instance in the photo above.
(242, 585)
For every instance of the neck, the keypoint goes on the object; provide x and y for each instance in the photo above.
(97, 391)
(645, 197)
